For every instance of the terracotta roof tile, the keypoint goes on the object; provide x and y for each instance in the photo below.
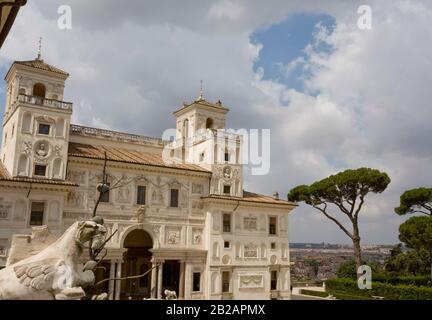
(126, 155)
(39, 64)
(252, 197)
(5, 176)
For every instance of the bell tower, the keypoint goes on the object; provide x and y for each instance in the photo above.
(36, 121)
(201, 138)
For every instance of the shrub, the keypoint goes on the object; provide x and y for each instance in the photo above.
(389, 292)
(314, 293)
(418, 281)
(347, 269)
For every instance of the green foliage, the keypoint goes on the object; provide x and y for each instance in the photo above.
(314, 264)
(343, 186)
(314, 293)
(347, 269)
(411, 262)
(417, 200)
(389, 278)
(348, 287)
(343, 296)
(416, 233)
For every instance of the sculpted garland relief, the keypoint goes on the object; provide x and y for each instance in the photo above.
(251, 281)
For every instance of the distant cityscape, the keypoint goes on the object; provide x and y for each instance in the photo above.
(315, 262)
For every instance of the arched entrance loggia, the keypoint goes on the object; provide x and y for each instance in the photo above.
(136, 260)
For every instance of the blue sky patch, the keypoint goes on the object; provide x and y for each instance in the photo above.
(284, 42)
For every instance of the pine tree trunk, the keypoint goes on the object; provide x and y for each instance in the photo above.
(357, 248)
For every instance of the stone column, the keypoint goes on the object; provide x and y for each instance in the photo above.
(188, 281)
(111, 282)
(182, 280)
(118, 282)
(159, 283)
(153, 280)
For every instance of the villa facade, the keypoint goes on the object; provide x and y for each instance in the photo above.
(178, 206)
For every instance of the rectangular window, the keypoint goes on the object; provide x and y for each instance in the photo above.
(174, 198)
(105, 197)
(227, 190)
(40, 170)
(226, 244)
(273, 281)
(44, 128)
(226, 222)
(37, 213)
(273, 245)
(141, 195)
(272, 225)
(225, 281)
(196, 283)
(226, 156)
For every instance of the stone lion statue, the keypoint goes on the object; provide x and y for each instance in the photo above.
(54, 273)
(170, 295)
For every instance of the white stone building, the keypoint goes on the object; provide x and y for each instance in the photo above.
(189, 216)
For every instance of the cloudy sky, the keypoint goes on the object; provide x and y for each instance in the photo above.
(334, 96)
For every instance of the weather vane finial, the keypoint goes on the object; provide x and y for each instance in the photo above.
(201, 97)
(39, 56)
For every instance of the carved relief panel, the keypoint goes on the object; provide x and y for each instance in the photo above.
(250, 250)
(172, 235)
(250, 223)
(196, 236)
(3, 247)
(251, 281)
(5, 209)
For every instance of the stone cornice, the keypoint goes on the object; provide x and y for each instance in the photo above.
(40, 186)
(142, 167)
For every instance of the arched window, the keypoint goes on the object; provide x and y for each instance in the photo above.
(39, 90)
(209, 123)
(186, 128)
